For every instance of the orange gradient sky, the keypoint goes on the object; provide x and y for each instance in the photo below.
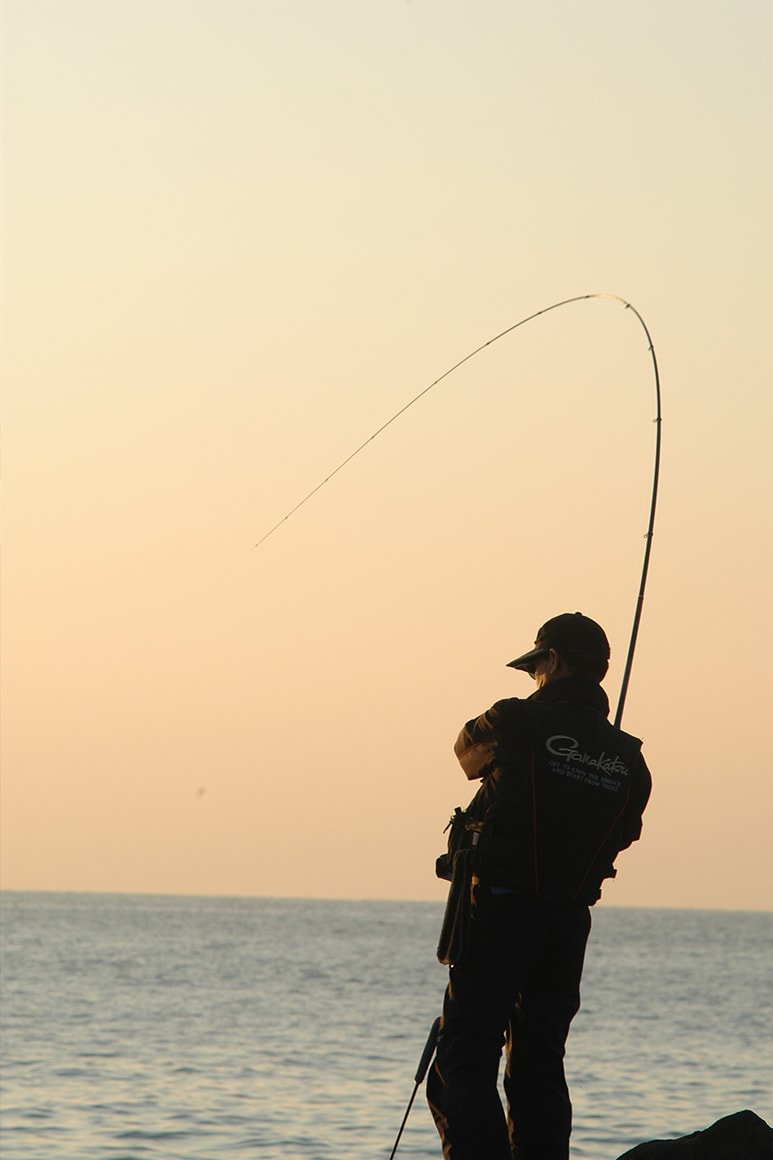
(238, 236)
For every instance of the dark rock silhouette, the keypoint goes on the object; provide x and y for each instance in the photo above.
(743, 1136)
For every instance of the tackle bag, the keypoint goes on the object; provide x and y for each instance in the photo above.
(455, 931)
(457, 866)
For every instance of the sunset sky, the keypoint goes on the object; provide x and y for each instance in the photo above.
(237, 236)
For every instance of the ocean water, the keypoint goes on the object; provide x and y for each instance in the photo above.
(175, 1028)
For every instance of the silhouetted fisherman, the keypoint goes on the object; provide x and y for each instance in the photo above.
(563, 793)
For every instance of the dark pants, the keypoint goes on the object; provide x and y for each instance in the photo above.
(519, 984)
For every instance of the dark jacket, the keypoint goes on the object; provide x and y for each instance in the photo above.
(563, 791)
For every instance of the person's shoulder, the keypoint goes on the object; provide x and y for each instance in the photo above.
(508, 715)
(503, 714)
(509, 708)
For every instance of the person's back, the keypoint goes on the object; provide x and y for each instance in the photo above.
(563, 791)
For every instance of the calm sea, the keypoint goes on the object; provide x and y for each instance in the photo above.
(173, 1028)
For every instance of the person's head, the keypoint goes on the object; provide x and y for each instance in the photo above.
(569, 644)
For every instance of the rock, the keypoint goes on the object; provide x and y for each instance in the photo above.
(743, 1136)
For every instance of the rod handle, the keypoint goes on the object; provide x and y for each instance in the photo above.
(428, 1052)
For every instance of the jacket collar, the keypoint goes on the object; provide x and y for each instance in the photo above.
(584, 690)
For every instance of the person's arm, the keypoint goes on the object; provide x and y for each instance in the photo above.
(482, 739)
(631, 821)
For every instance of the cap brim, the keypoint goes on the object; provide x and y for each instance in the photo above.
(528, 660)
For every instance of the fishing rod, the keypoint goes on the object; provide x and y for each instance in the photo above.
(658, 420)
(655, 477)
(436, 1029)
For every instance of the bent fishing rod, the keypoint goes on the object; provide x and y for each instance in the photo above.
(655, 475)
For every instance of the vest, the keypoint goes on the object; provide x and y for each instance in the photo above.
(578, 783)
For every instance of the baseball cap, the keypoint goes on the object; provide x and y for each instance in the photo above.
(572, 635)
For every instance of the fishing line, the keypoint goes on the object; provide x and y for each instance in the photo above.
(655, 477)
